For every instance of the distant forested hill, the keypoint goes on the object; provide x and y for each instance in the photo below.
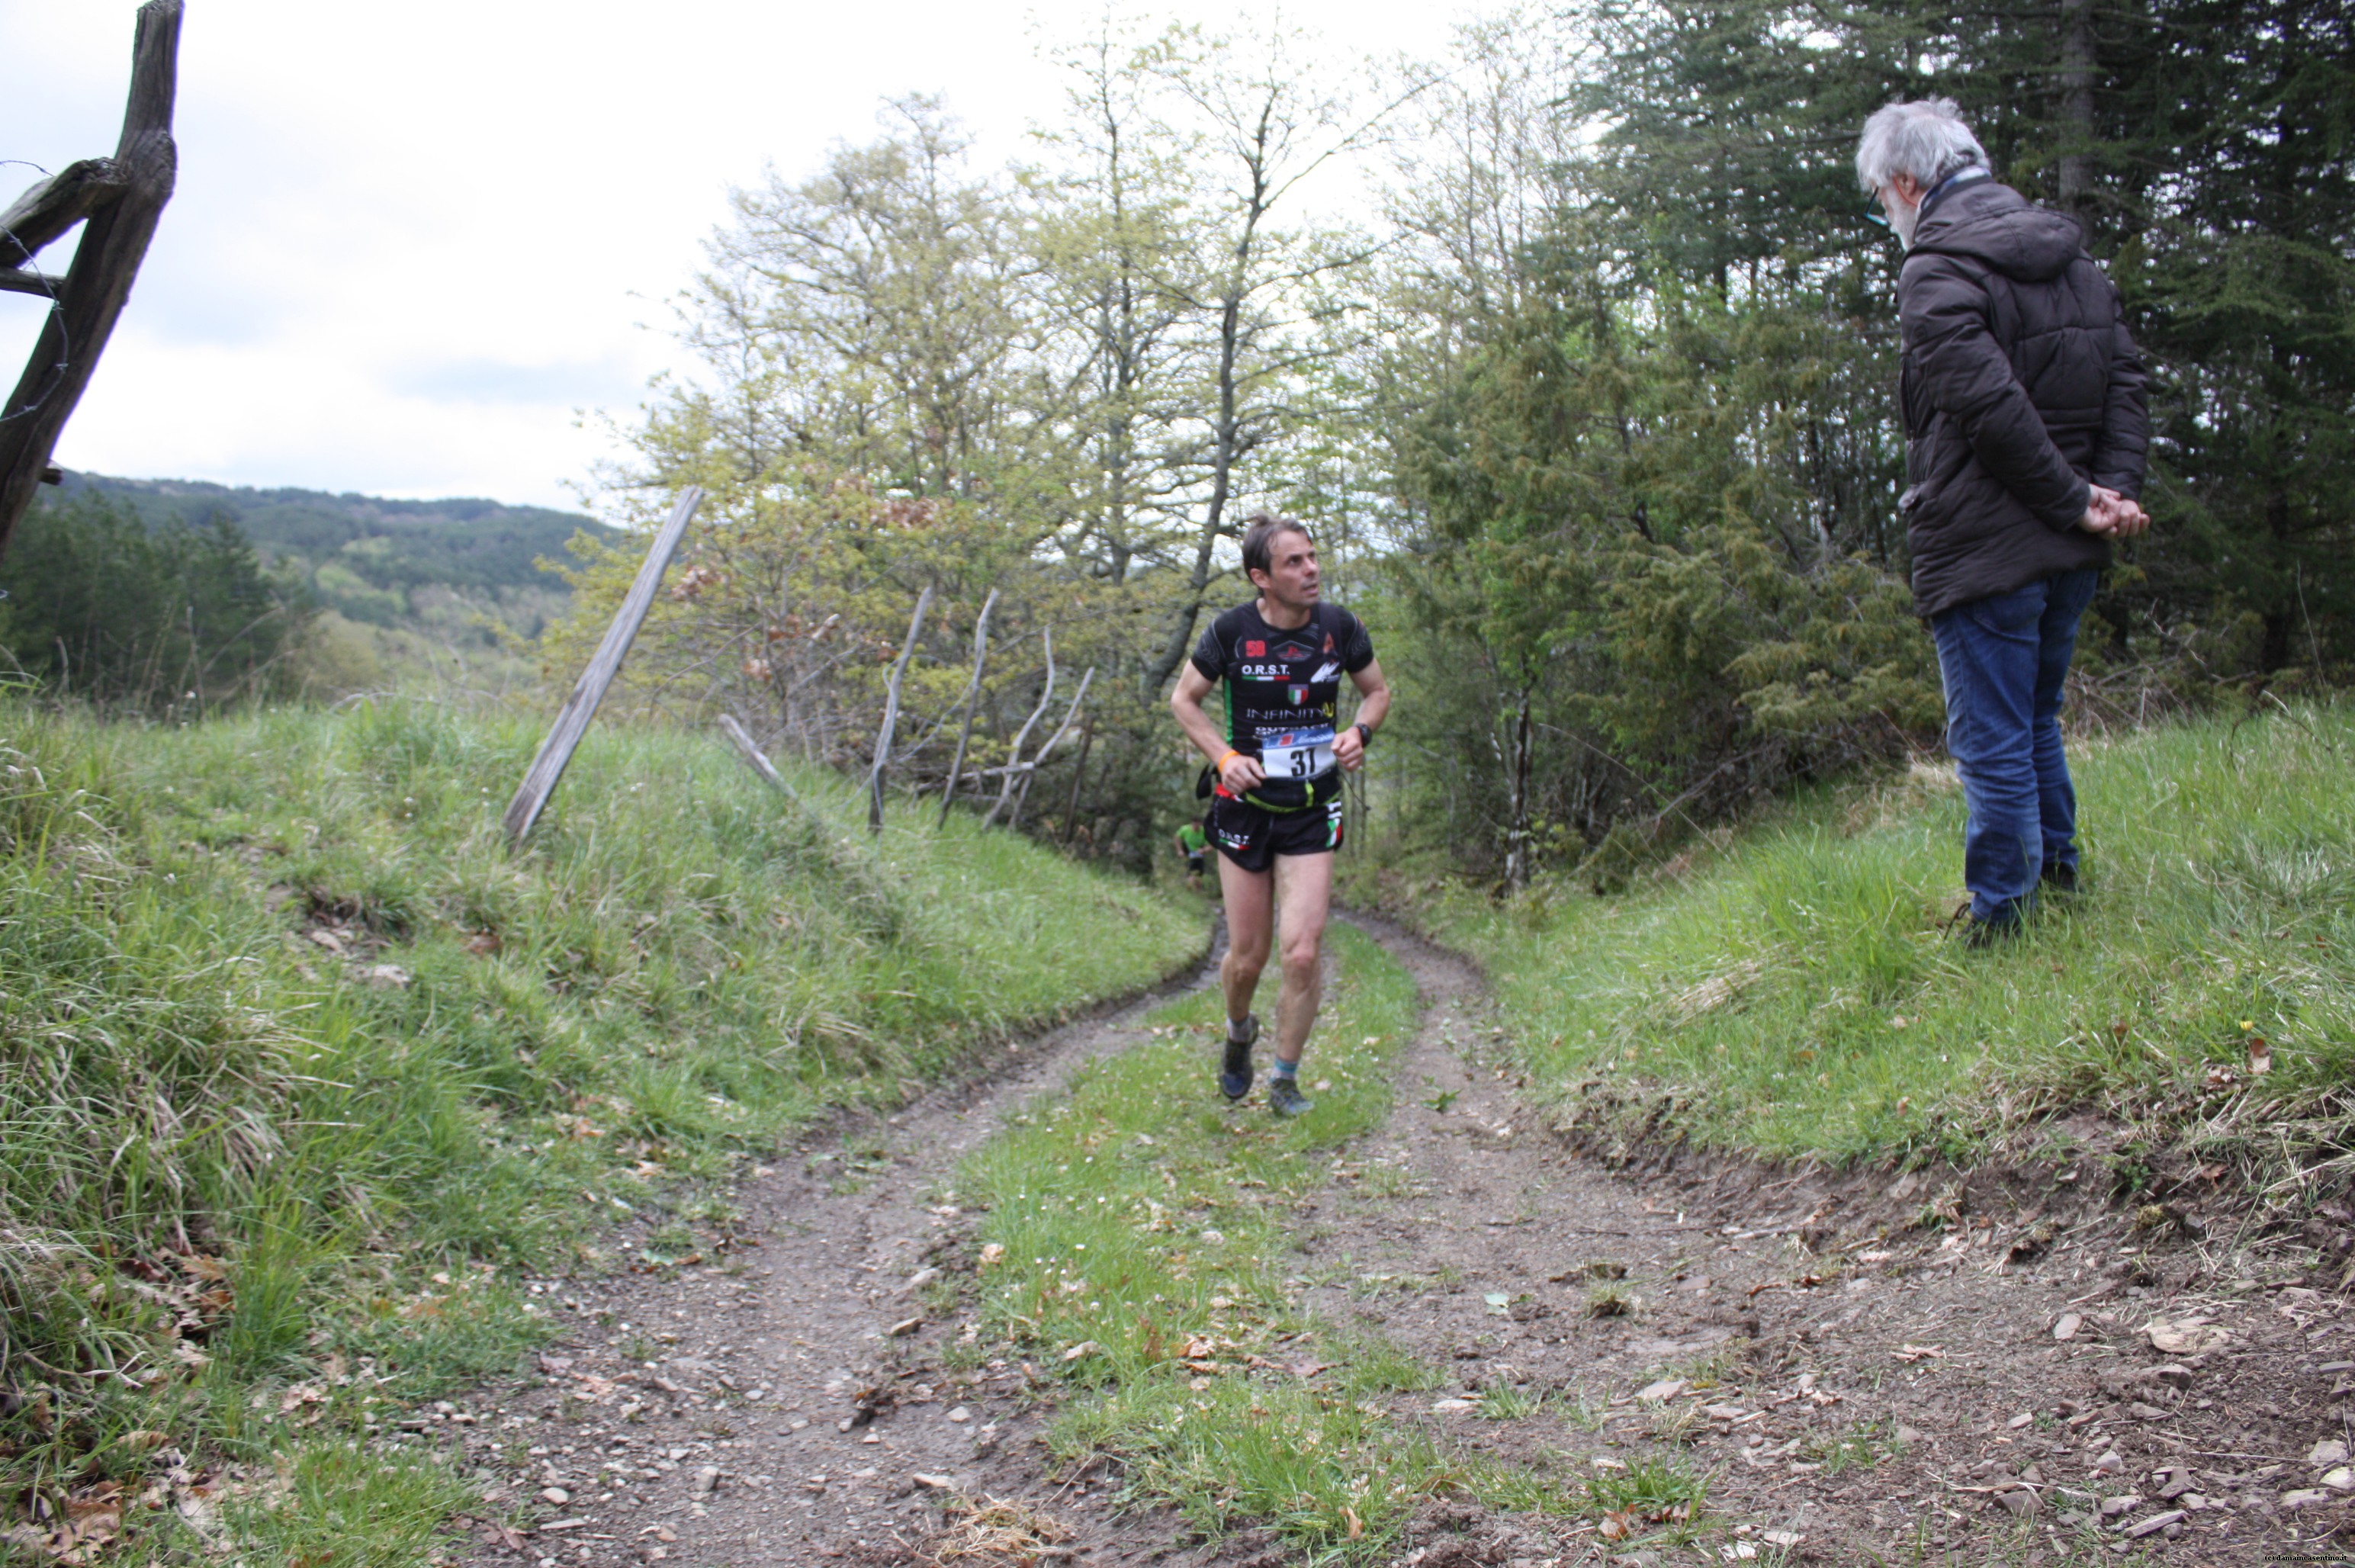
(364, 556)
(410, 589)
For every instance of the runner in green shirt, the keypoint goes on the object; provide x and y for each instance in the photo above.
(1195, 845)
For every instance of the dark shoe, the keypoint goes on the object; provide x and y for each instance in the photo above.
(1284, 1098)
(2058, 878)
(1235, 1072)
(1981, 934)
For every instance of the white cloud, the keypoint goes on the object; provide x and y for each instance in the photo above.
(408, 243)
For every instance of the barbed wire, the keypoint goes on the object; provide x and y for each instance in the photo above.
(57, 314)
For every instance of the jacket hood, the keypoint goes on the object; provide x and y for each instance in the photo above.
(1994, 225)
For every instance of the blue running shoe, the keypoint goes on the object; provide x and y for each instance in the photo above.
(1284, 1098)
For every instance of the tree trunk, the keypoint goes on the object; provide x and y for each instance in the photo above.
(2077, 82)
(1516, 835)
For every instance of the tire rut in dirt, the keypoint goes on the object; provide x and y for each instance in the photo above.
(1842, 1374)
(787, 1402)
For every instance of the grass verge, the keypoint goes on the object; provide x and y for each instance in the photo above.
(299, 1065)
(1134, 1242)
(1796, 992)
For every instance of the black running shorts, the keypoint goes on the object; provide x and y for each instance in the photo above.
(1252, 837)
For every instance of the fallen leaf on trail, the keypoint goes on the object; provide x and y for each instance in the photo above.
(1786, 1537)
(2260, 1058)
(1918, 1352)
(1309, 1368)
(1084, 1347)
(1660, 1392)
(2185, 1338)
(992, 1253)
(1498, 1301)
(1615, 1526)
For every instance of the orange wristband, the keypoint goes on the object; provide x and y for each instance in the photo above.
(1220, 767)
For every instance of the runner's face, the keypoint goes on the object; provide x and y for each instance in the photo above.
(1293, 580)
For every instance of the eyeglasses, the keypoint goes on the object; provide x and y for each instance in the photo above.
(1875, 214)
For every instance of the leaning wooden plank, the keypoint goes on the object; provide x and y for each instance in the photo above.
(757, 758)
(572, 722)
(54, 205)
(891, 714)
(105, 262)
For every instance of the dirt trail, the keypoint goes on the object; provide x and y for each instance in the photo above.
(1854, 1387)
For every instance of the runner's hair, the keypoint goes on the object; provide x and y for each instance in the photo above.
(1259, 538)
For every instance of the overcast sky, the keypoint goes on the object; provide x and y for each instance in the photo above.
(411, 244)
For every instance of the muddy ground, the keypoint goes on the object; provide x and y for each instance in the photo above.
(2010, 1367)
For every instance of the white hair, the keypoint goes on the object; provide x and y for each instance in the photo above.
(1927, 139)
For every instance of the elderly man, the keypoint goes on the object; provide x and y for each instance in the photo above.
(2025, 432)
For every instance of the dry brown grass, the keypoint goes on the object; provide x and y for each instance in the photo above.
(998, 1530)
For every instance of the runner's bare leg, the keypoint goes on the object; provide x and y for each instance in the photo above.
(1304, 893)
(1251, 925)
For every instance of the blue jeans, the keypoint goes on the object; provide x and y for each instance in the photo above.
(2003, 661)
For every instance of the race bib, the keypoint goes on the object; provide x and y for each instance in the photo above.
(1297, 753)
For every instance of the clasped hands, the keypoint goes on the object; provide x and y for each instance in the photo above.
(1240, 773)
(2112, 516)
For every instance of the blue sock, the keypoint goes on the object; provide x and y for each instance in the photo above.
(1284, 1070)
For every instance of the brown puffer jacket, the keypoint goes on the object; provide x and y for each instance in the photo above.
(2020, 383)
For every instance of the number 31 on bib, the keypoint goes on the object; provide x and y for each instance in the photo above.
(1297, 753)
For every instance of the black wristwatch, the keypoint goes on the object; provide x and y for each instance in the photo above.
(1365, 736)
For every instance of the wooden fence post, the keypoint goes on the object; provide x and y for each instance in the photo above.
(121, 198)
(1078, 777)
(891, 714)
(1039, 758)
(1014, 757)
(572, 721)
(972, 700)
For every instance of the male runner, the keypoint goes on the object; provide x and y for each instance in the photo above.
(1194, 844)
(1277, 812)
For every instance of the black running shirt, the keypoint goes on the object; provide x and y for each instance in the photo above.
(1277, 682)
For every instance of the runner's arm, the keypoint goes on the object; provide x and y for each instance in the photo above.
(1373, 707)
(1237, 771)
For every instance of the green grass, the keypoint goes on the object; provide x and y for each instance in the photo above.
(231, 1157)
(1796, 993)
(1143, 1260)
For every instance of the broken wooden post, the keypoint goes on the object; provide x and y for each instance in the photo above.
(1014, 757)
(972, 700)
(758, 759)
(572, 722)
(891, 714)
(1030, 774)
(1078, 777)
(119, 202)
